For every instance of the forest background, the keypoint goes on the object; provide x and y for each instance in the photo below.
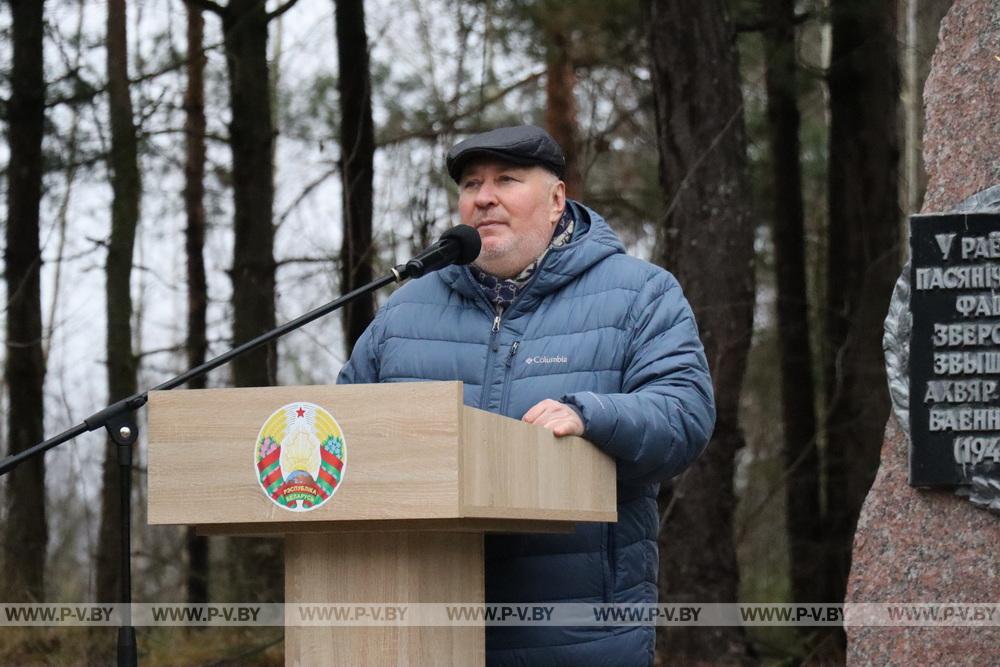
(180, 175)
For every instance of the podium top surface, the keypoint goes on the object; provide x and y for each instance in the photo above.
(277, 457)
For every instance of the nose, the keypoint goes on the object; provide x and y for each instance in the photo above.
(486, 196)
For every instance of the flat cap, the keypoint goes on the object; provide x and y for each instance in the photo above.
(521, 144)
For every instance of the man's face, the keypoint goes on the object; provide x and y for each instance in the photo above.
(514, 208)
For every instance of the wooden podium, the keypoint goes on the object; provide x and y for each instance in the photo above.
(421, 478)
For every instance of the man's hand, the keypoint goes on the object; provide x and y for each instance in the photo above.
(555, 416)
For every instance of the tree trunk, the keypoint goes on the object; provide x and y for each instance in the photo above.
(560, 103)
(257, 572)
(26, 529)
(800, 450)
(250, 137)
(194, 207)
(862, 262)
(707, 241)
(122, 363)
(357, 147)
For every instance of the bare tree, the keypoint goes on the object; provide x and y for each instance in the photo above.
(357, 156)
(253, 272)
(26, 529)
(121, 361)
(194, 208)
(706, 239)
(863, 262)
(256, 566)
(800, 449)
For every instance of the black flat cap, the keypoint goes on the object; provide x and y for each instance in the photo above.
(522, 144)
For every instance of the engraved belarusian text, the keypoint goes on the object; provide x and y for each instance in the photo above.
(954, 348)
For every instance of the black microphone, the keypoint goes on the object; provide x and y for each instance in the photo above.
(459, 245)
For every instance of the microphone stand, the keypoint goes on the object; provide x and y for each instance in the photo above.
(120, 421)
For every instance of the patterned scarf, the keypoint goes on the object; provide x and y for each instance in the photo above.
(502, 291)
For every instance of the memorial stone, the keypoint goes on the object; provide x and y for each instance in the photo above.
(917, 545)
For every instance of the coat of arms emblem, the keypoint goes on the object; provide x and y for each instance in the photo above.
(300, 456)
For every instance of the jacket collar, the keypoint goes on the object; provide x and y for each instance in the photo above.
(593, 240)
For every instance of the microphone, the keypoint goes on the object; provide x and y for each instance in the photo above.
(459, 245)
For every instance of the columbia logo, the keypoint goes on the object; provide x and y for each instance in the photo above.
(546, 360)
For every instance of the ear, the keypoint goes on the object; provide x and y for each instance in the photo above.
(557, 199)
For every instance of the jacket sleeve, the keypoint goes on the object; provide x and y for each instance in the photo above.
(363, 366)
(665, 414)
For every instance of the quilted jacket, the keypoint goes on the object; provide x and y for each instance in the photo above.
(611, 336)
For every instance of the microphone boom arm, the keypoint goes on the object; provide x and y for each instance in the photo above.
(456, 245)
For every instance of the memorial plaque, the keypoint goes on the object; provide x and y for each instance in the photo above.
(954, 348)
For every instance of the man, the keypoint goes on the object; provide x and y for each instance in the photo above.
(554, 324)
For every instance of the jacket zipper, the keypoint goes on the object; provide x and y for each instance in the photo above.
(491, 349)
(506, 375)
(496, 329)
(513, 351)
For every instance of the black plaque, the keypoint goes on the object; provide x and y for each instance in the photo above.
(954, 348)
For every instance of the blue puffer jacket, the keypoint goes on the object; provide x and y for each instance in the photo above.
(608, 334)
